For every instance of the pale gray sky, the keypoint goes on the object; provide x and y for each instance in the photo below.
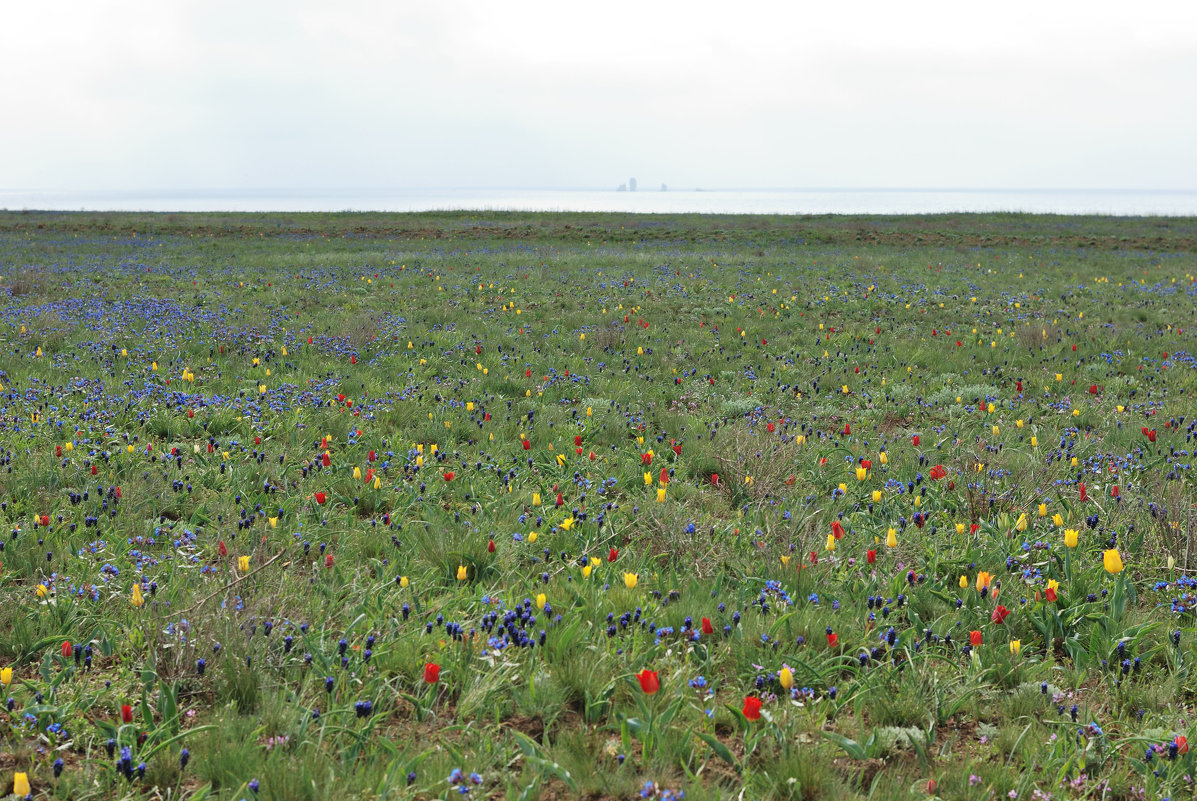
(330, 94)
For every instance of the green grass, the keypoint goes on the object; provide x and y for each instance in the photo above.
(198, 362)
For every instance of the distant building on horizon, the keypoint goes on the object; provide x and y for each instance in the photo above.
(631, 184)
(664, 188)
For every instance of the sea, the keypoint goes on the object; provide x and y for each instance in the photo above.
(692, 200)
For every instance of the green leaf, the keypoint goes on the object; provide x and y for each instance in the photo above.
(721, 750)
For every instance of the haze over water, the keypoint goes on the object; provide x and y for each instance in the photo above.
(682, 200)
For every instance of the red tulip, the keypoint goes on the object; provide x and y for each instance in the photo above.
(833, 639)
(126, 714)
(1151, 435)
(432, 673)
(370, 456)
(677, 450)
(837, 530)
(752, 707)
(975, 638)
(45, 520)
(577, 439)
(67, 650)
(58, 450)
(915, 440)
(867, 464)
(648, 681)
(94, 470)
(328, 560)
(1018, 385)
(847, 429)
(320, 498)
(353, 360)
(449, 476)
(1084, 496)
(560, 500)
(528, 373)
(612, 555)
(715, 478)
(938, 472)
(1050, 594)
(707, 628)
(1114, 493)
(490, 546)
(1093, 389)
(999, 614)
(871, 556)
(326, 460)
(646, 459)
(1182, 744)
(664, 476)
(527, 445)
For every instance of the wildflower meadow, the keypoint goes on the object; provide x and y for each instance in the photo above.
(597, 506)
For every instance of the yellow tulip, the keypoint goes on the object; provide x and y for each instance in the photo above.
(983, 580)
(6, 676)
(883, 458)
(1016, 647)
(1058, 519)
(861, 474)
(785, 560)
(541, 600)
(876, 496)
(630, 579)
(586, 571)
(891, 538)
(1070, 537)
(536, 499)
(1043, 510)
(830, 542)
(959, 528)
(404, 582)
(567, 523)
(532, 535)
(243, 564)
(42, 590)
(357, 473)
(1021, 525)
(785, 678)
(661, 495)
(995, 431)
(462, 573)
(1034, 442)
(963, 582)
(273, 522)
(20, 785)
(648, 479)
(1112, 560)
(136, 599)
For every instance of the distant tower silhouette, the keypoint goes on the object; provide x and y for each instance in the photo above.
(631, 184)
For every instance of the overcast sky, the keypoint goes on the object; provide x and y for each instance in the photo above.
(332, 94)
